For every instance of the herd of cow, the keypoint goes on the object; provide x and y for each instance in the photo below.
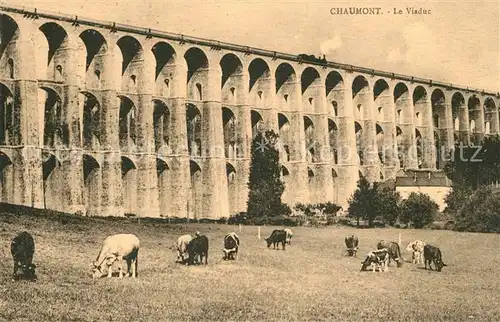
(192, 250)
(387, 250)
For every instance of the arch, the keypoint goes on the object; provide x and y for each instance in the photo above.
(437, 145)
(9, 33)
(55, 130)
(230, 65)
(400, 91)
(459, 112)
(6, 178)
(257, 122)
(310, 172)
(309, 136)
(282, 121)
(127, 123)
(92, 183)
(284, 74)
(129, 184)
(165, 56)
(420, 144)
(196, 60)
(196, 201)
(131, 50)
(161, 166)
(380, 139)
(333, 81)
(161, 125)
(52, 175)
(380, 87)
(230, 173)
(358, 130)
(95, 44)
(56, 36)
(438, 108)
(8, 120)
(90, 164)
(359, 84)
(257, 70)
(333, 139)
(334, 174)
(310, 76)
(10, 63)
(489, 105)
(126, 165)
(490, 116)
(91, 121)
(230, 133)
(193, 123)
(284, 171)
(419, 95)
(475, 114)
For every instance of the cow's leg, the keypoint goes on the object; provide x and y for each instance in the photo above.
(120, 266)
(206, 258)
(129, 265)
(283, 243)
(14, 275)
(109, 264)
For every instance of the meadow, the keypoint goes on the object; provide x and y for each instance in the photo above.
(310, 280)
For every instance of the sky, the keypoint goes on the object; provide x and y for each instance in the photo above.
(459, 42)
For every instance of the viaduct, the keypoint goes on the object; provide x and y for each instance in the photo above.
(101, 118)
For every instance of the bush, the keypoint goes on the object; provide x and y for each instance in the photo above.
(481, 213)
(418, 209)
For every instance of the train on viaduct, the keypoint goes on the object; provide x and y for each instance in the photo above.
(106, 119)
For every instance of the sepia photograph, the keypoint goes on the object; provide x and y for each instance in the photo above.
(230, 160)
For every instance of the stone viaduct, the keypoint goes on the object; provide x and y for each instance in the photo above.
(108, 119)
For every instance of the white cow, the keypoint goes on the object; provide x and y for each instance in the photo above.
(377, 259)
(182, 243)
(289, 235)
(417, 249)
(116, 248)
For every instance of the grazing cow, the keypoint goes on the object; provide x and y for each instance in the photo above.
(117, 248)
(416, 247)
(231, 244)
(182, 243)
(198, 247)
(22, 249)
(351, 243)
(277, 236)
(433, 255)
(377, 259)
(289, 235)
(394, 252)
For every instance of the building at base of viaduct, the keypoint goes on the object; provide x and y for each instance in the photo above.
(108, 119)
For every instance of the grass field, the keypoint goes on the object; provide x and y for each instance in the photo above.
(310, 280)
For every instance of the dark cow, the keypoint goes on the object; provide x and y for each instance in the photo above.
(231, 244)
(277, 236)
(433, 255)
(22, 249)
(394, 251)
(376, 258)
(351, 243)
(198, 247)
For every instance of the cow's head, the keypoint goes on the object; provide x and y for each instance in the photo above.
(410, 247)
(367, 262)
(268, 241)
(96, 270)
(399, 261)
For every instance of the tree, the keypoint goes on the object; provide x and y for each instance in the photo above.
(481, 212)
(360, 204)
(418, 209)
(386, 203)
(265, 185)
